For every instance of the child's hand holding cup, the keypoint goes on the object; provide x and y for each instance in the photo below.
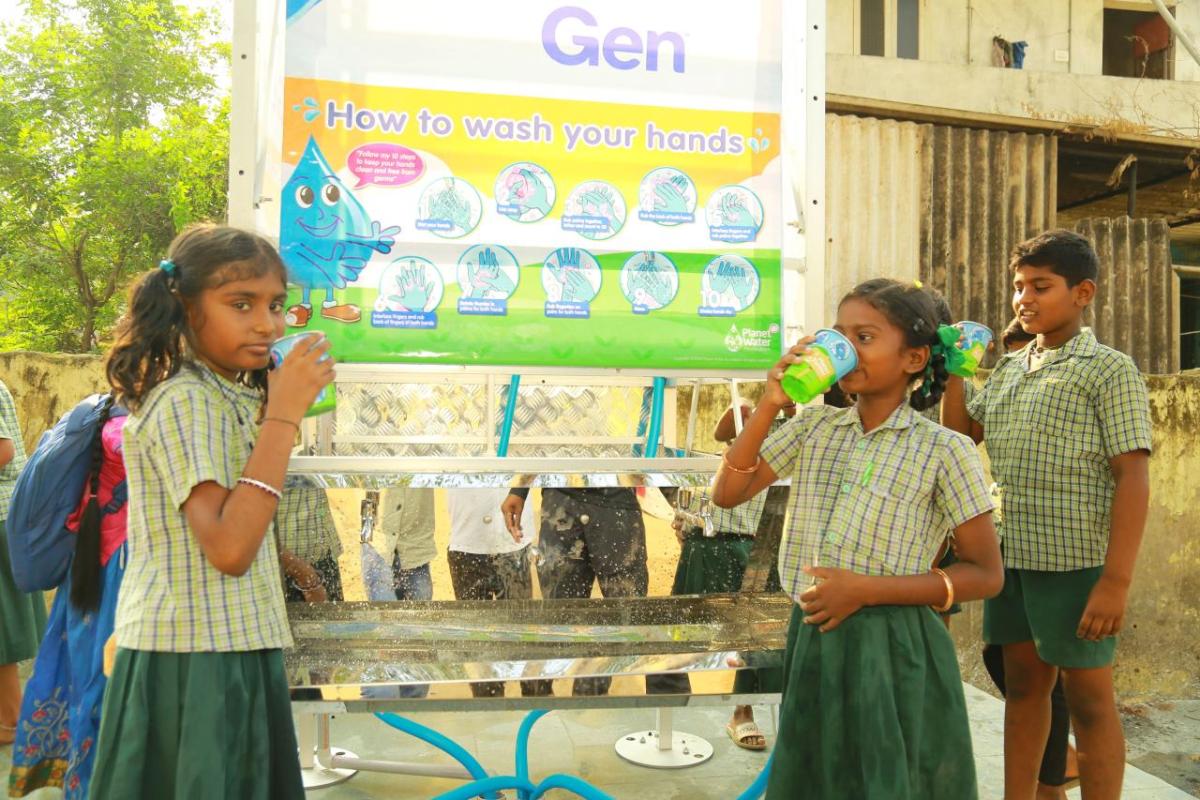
(302, 370)
(966, 344)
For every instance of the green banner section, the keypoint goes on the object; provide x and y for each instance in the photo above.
(664, 310)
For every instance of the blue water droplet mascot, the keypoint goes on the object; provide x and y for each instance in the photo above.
(326, 237)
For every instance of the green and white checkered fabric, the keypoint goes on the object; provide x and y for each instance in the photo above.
(188, 432)
(1050, 434)
(10, 428)
(742, 520)
(934, 414)
(877, 503)
(304, 522)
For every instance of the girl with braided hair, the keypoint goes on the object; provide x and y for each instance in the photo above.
(60, 714)
(197, 705)
(873, 705)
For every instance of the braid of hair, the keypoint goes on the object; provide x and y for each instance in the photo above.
(85, 569)
(933, 384)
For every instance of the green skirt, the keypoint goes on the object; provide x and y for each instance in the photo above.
(22, 616)
(710, 565)
(873, 710)
(194, 726)
(716, 564)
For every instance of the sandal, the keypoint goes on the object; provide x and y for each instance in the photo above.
(744, 733)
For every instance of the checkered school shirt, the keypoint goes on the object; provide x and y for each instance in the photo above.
(10, 428)
(1050, 434)
(877, 503)
(305, 526)
(187, 432)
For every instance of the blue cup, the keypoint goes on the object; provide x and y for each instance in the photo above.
(327, 399)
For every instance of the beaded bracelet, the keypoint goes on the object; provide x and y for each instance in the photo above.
(739, 470)
(266, 487)
(949, 591)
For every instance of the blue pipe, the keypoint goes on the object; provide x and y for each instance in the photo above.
(571, 784)
(654, 432)
(440, 741)
(487, 785)
(759, 787)
(523, 748)
(510, 408)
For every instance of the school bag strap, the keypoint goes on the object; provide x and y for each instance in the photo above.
(120, 495)
(49, 488)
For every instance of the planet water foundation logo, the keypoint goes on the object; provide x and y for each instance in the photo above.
(751, 338)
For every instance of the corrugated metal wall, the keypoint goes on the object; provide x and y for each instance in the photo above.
(942, 203)
(988, 191)
(1135, 309)
(872, 201)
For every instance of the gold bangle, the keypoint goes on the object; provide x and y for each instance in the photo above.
(739, 470)
(949, 591)
(284, 421)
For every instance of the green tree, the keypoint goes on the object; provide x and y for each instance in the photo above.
(114, 136)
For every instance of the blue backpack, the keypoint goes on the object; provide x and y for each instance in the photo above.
(48, 489)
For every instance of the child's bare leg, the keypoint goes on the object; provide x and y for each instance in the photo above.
(1098, 735)
(1026, 718)
(1045, 792)
(10, 702)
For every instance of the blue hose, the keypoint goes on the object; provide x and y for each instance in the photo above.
(523, 748)
(571, 784)
(756, 789)
(654, 432)
(567, 782)
(510, 408)
(485, 786)
(489, 786)
(441, 742)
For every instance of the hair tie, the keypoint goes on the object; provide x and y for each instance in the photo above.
(167, 266)
(917, 284)
(945, 341)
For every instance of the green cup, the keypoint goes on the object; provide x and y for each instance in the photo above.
(829, 359)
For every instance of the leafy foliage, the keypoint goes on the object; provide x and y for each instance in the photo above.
(113, 136)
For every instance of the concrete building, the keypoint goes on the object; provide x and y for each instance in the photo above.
(958, 127)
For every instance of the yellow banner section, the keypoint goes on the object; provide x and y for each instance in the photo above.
(477, 134)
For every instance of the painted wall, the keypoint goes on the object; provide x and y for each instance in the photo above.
(955, 69)
(961, 31)
(45, 386)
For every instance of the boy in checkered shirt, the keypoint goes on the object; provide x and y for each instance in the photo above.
(1067, 425)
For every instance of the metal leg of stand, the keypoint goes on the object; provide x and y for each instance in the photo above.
(306, 738)
(334, 764)
(775, 719)
(316, 756)
(664, 747)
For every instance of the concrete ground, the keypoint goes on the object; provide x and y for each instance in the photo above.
(581, 743)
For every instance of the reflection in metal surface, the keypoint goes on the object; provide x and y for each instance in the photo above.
(371, 472)
(362, 656)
